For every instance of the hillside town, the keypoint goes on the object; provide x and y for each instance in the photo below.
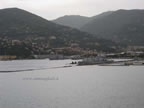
(27, 49)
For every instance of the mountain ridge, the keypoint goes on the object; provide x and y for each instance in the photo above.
(121, 26)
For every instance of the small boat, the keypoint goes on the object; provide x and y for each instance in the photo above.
(73, 62)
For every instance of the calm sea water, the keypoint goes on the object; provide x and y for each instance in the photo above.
(49, 85)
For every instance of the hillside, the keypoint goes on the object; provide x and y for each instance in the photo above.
(123, 26)
(74, 21)
(26, 29)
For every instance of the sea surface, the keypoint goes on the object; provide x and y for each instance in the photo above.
(49, 84)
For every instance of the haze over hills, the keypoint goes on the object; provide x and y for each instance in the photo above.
(77, 21)
(17, 24)
(74, 21)
(99, 16)
(122, 26)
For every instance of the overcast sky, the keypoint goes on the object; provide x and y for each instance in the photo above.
(51, 9)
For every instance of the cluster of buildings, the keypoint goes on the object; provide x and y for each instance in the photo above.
(73, 51)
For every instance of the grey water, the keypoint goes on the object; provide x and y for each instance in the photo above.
(47, 84)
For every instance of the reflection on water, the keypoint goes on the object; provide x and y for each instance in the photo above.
(71, 87)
